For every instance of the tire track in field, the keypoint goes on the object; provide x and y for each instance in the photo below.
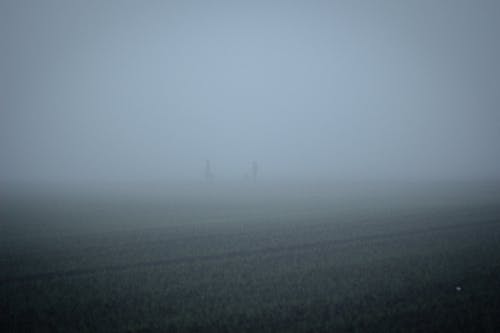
(241, 253)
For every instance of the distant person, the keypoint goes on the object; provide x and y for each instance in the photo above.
(209, 176)
(255, 170)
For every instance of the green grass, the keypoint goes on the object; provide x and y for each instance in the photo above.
(324, 263)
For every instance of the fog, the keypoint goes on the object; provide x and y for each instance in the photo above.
(148, 91)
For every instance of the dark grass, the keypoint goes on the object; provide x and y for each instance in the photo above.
(260, 263)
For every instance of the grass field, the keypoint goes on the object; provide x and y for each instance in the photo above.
(258, 259)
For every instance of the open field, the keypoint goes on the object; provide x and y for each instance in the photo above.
(256, 259)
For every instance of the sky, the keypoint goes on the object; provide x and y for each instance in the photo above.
(118, 91)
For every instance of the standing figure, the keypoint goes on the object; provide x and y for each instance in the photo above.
(209, 176)
(255, 170)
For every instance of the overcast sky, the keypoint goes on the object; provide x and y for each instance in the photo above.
(340, 90)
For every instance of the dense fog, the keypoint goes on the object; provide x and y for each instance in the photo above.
(149, 91)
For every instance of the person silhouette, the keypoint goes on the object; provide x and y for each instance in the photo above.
(255, 170)
(209, 176)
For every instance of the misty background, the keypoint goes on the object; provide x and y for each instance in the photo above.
(132, 91)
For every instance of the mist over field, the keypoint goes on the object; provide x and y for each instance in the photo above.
(127, 91)
(249, 166)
